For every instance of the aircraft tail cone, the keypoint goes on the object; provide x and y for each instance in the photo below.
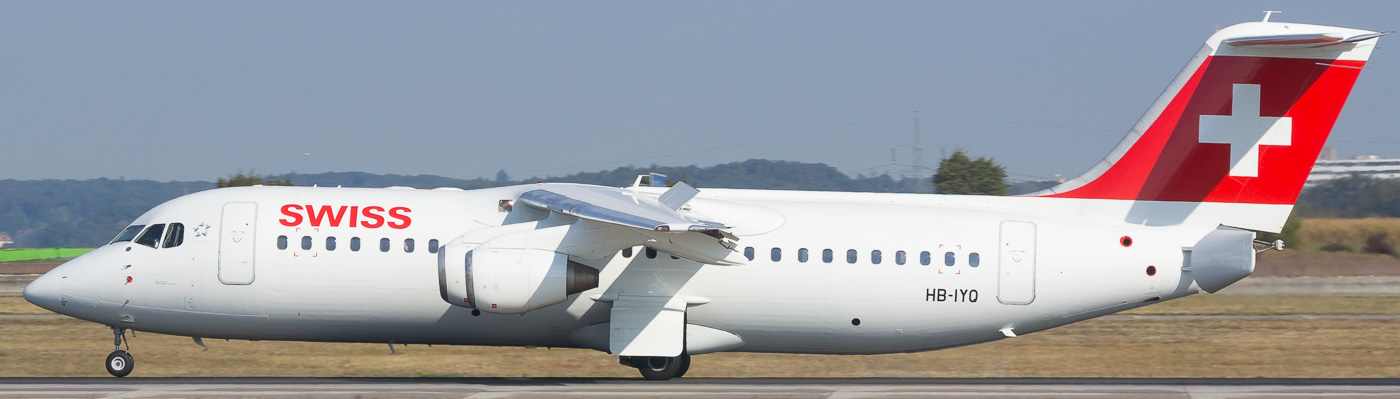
(1221, 258)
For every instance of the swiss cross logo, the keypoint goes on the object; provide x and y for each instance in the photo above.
(1244, 130)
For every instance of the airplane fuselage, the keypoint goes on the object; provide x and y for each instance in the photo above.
(800, 303)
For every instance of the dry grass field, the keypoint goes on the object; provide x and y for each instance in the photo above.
(14, 304)
(1097, 348)
(1349, 231)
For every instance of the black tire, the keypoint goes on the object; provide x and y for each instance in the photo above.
(685, 365)
(663, 368)
(119, 363)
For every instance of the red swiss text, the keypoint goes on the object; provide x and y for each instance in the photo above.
(371, 217)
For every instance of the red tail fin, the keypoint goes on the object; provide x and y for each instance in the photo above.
(1243, 123)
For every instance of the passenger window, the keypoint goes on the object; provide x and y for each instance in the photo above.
(851, 256)
(925, 258)
(152, 236)
(651, 253)
(355, 244)
(627, 252)
(175, 236)
(899, 257)
(949, 259)
(330, 243)
(875, 256)
(383, 245)
(306, 242)
(432, 246)
(777, 254)
(128, 234)
(281, 242)
(408, 245)
(973, 259)
(826, 255)
(748, 253)
(802, 255)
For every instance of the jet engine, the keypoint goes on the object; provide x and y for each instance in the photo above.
(509, 280)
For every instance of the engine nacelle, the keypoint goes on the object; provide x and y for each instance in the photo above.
(509, 280)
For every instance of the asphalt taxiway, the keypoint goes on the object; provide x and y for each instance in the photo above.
(701, 387)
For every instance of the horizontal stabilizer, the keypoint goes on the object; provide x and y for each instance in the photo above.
(1306, 39)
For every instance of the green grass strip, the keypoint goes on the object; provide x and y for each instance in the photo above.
(22, 254)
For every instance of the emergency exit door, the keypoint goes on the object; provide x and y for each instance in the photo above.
(236, 238)
(1016, 263)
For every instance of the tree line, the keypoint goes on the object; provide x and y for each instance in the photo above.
(87, 213)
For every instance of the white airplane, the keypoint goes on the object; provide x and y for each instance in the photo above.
(656, 275)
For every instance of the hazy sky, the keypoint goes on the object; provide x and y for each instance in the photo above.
(198, 90)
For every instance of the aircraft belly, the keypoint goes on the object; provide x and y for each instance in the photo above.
(404, 315)
(197, 324)
(853, 309)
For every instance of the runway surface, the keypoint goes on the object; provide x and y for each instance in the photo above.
(701, 387)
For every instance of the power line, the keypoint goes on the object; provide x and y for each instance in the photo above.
(1011, 122)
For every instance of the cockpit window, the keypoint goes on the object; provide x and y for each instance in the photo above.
(175, 236)
(128, 234)
(152, 236)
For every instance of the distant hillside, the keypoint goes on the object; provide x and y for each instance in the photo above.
(87, 213)
(79, 213)
(362, 179)
(757, 174)
(754, 173)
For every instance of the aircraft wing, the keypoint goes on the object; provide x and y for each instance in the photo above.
(621, 207)
(657, 220)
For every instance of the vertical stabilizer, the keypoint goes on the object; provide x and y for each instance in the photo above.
(1241, 125)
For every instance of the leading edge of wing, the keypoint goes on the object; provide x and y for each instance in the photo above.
(615, 206)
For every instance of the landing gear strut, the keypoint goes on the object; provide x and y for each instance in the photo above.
(119, 363)
(659, 368)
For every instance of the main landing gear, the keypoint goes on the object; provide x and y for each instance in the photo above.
(119, 363)
(659, 368)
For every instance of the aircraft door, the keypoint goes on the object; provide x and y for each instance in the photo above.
(1016, 263)
(236, 242)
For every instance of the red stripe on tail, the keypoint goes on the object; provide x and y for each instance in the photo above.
(1171, 161)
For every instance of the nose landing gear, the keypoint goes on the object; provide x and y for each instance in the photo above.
(659, 368)
(119, 363)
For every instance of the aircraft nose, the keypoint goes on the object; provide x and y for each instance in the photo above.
(44, 291)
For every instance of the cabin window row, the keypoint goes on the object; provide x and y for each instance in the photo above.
(332, 243)
(876, 256)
